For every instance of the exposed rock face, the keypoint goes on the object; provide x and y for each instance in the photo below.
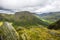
(8, 32)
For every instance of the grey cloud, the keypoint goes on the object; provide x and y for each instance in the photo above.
(17, 4)
(52, 6)
(31, 5)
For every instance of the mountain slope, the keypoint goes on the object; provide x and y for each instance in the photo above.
(55, 25)
(23, 18)
(26, 18)
(38, 33)
(8, 32)
(52, 16)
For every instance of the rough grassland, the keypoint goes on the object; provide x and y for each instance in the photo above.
(32, 33)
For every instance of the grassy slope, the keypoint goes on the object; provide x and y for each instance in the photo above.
(53, 16)
(23, 19)
(27, 18)
(38, 33)
(55, 25)
(35, 33)
(46, 21)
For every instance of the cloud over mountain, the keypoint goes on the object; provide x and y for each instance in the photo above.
(31, 5)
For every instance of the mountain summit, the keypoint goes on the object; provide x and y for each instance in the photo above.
(23, 18)
(27, 18)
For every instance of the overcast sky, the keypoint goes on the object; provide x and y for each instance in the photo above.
(29, 5)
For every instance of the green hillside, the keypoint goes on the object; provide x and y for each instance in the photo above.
(26, 18)
(51, 16)
(27, 26)
(55, 25)
(7, 32)
(23, 18)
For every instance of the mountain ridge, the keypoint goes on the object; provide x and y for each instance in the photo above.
(51, 16)
(23, 18)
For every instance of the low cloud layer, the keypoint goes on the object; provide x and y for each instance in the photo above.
(17, 4)
(52, 7)
(31, 5)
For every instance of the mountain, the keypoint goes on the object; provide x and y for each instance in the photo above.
(16, 27)
(55, 25)
(51, 16)
(23, 18)
(26, 18)
(6, 17)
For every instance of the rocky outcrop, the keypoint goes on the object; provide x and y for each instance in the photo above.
(7, 32)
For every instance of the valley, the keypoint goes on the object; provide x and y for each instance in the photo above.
(28, 26)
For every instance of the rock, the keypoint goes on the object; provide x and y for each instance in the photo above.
(8, 32)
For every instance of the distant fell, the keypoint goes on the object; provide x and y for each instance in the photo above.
(51, 16)
(23, 18)
(27, 18)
